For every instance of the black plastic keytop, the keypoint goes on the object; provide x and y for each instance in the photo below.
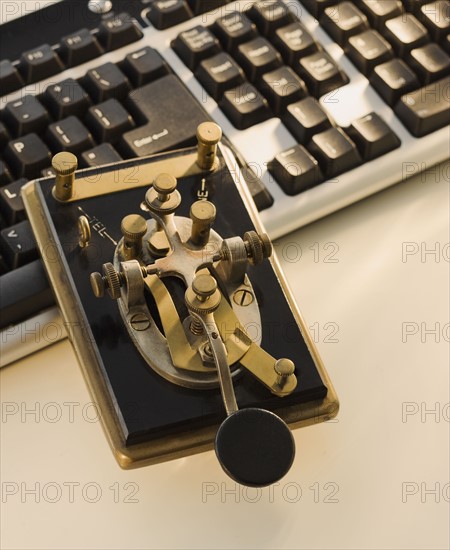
(295, 170)
(294, 42)
(270, 15)
(282, 87)
(244, 106)
(79, 47)
(321, 74)
(39, 63)
(105, 82)
(233, 29)
(218, 74)
(144, 65)
(24, 116)
(258, 57)
(372, 136)
(102, 154)
(172, 115)
(18, 245)
(317, 7)
(393, 79)
(118, 30)
(168, 13)
(108, 121)
(10, 79)
(379, 11)
(27, 156)
(426, 109)
(429, 62)
(65, 99)
(414, 5)
(69, 134)
(369, 49)
(202, 6)
(305, 118)
(436, 18)
(195, 45)
(20, 299)
(5, 174)
(11, 204)
(405, 33)
(335, 152)
(343, 20)
(4, 136)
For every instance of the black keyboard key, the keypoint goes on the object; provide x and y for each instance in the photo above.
(260, 194)
(425, 110)
(168, 13)
(335, 152)
(3, 269)
(379, 11)
(295, 170)
(20, 299)
(202, 6)
(24, 116)
(18, 245)
(65, 99)
(436, 18)
(258, 57)
(118, 30)
(5, 174)
(244, 106)
(108, 121)
(69, 135)
(233, 29)
(317, 7)
(106, 82)
(405, 33)
(218, 74)
(48, 172)
(27, 156)
(393, 79)
(10, 80)
(294, 42)
(11, 204)
(282, 87)
(39, 63)
(369, 49)
(153, 102)
(270, 15)
(102, 154)
(414, 5)
(79, 47)
(144, 66)
(429, 62)
(342, 21)
(195, 45)
(4, 136)
(321, 73)
(306, 118)
(372, 136)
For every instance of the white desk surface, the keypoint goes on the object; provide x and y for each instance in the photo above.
(375, 478)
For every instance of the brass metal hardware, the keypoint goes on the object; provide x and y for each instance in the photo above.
(84, 231)
(133, 228)
(64, 165)
(202, 214)
(208, 135)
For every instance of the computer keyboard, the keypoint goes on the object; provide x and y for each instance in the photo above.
(323, 103)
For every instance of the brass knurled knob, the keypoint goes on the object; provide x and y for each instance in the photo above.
(133, 228)
(203, 297)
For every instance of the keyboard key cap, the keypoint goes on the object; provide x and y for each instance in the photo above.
(317, 7)
(65, 99)
(151, 103)
(321, 73)
(20, 299)
(106, 82)
(270, 15)
(342, 21)
(257, 57)
(294, 42)
(11, 204)
(405, 33)
(18, 245)
(306, 118)
(429, 62)
(69, 135)
(234, 29)
(335, 152)
(118, 30)
(144, 66)
(79, 47)
(39, 63)
(295, 170)
(282, 87)
(260, 194)
(425, 110)
(369, 49)
(372, 136)
(393, 79)
(244, 106)
(414, 5)
(108, 121)
(195, 45)
(5, 174)
(168, 13)
(102, 154)
(4, 136)
(202, 6)
(218, 74)
(436, 18)
(24, 116)
(379, 11)
(10, 79)
(27, 156)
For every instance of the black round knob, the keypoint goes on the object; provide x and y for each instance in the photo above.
(255, 447)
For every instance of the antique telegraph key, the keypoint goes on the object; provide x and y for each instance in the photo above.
(195, 341)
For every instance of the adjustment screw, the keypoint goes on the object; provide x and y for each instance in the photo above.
(284, 368)
(204, 286)
(97, 284)
(202, 214)
(164, 185)
(208, 135)
(64, 164)
(133, 228)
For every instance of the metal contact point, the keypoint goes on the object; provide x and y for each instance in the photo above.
(208, 135)
(64, 164)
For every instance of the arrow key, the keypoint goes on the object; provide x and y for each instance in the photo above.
(17, 245)
(11, 204)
